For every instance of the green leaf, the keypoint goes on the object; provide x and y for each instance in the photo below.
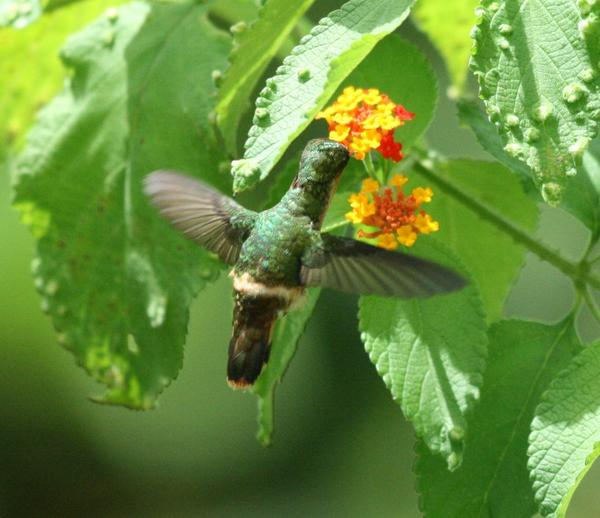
(116, 279)
(286, 335)
(582, 194)
(493, 479)
(431, 356)
(253, 50)
(565, 433)
(448, 23)
(26, 88)
(19, 13)
(491, 256)
(308, 78)
(471, 113)
(537, 67)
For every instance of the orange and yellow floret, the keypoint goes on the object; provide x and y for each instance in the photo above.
(364, 120)
(397, 217)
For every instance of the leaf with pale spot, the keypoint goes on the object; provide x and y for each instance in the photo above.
(115, 278)
(537, 63)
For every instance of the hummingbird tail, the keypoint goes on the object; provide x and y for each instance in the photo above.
(254, 317)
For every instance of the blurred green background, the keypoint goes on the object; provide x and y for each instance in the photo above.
(342, 447)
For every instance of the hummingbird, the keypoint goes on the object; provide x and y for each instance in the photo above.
(278, 253)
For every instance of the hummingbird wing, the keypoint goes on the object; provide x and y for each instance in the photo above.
(355, 267)
(202, 214)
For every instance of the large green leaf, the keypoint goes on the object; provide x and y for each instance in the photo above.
(431, 355)
(286, 335)
(493, 479)
(115, 278)
(491, 256)
(26, 88)
(537, 65)
(253, 50)
(565, 433)
(308, 78)
(448, 22)
(582, 194)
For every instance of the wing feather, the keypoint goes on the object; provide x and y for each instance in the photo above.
(201, 213)
(354, 267)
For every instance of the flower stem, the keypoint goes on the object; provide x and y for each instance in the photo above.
(580, 273)
(368, 163)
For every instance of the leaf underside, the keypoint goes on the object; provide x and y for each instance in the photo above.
(537, 66)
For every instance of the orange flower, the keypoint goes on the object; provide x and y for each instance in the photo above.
(364, 120)
(396, 217)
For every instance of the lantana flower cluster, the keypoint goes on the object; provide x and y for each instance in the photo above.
(396, 216)
(364, 120)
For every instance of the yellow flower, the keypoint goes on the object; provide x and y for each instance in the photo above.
(339, 133)
(369, 185)
(353, 217)
(371, 97)
(406, 235)
(422, 195)
(425, 225)
(364, 120)
(342, 118)
(388, 122)
(387, 241)
(394, 217)
(359, 146)
(398, 180)
(361, 207)
(371, 138)
(356, 200)
(350, 98)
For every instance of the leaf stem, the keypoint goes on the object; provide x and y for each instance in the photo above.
(579, 272)
(591, 304)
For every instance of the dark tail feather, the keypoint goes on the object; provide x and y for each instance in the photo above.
(253, 321)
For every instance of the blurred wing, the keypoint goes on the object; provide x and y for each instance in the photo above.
(202, 214)
(354, 267)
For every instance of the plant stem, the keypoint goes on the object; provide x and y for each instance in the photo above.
(370, 167)
(334, 226)
(578, 272)
(591, 304)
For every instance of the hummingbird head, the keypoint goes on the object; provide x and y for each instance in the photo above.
(322, 161)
